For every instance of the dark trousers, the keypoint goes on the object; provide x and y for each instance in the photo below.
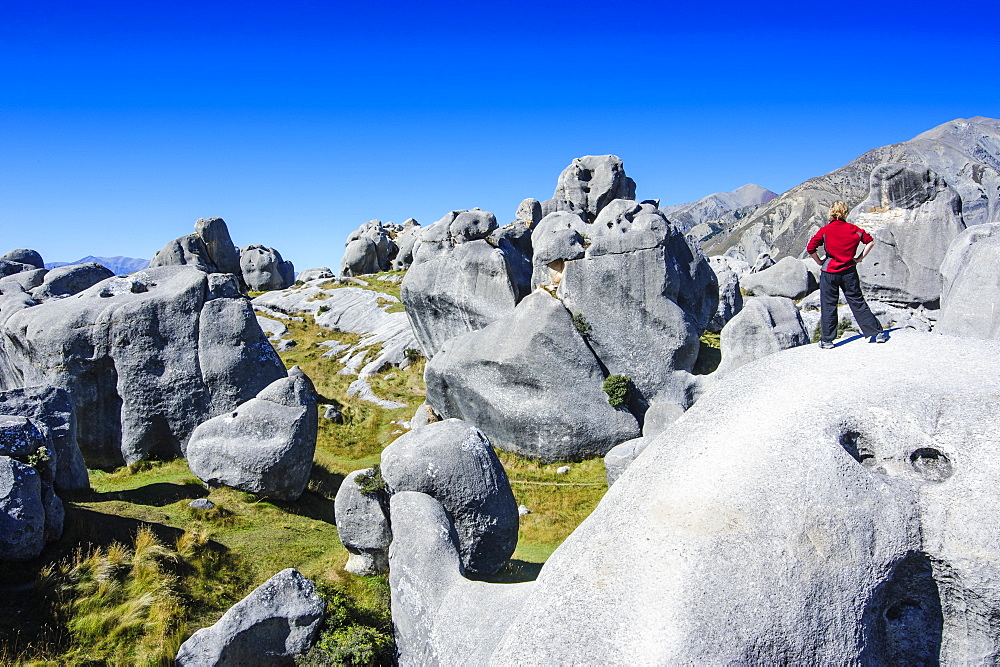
(830, 285)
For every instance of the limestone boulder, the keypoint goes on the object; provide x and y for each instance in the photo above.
(914, 215)
(52, 410)
(789, 278)
(322, 273)
(529, 211)
(263, 269)
(453, 462)
(530, 382)
(187, 250)
(68, 280)
(214, 233)
(279, 620)
(454, 287)
(22, 512)
(31, 513)
(360, 258)
(24, 256)
(363, 526)
(145, 358)
(765, 325)
(646, 294)
(592, 182)
(730, 296)
(265, 446)
(621, 456)
(970, 284)
(23, 281)
(776, 522)
(557, 238)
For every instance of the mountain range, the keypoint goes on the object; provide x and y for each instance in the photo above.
(120, 265)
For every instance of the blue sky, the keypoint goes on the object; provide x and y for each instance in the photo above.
(122, 123)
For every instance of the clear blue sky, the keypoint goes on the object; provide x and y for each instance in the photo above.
(121, 123)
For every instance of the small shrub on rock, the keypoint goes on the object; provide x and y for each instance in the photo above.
(411, 354)
(617, 388)
(351, 634)
(581, 324)
(371, 484)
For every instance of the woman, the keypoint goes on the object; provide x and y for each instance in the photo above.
(841, 239)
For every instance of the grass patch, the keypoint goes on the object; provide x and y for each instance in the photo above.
(199, 562)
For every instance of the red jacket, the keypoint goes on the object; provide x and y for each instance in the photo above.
(841, 240)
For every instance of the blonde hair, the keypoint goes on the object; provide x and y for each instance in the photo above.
(838, 211)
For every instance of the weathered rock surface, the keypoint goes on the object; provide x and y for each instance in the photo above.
(455, 284)
(558, 237)
(145, 358)
(209, 249)
(765, 325)
(913, 216)
(432, 602)
(23, 281)
(453, 462)
(215, 235)
(31, 514)
(264, 269)
(529, 211)
(68, 280)
(322, 273)
(22, 512)
(730, 296)
(280, 619)
(52, 410)
(531, 384)
(24, 256)
(363, 526)
(783, 523)
(592, 182)
(970, 287)
(647, 296)
(265, 446)
(964, 152)
(621, 456)
(788, 278)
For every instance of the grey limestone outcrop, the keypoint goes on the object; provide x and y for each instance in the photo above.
(379, 246)
(322, 273)
(263, 269)
(621, 456)
(69, 280)
(31, 514)
(24, 256)
(458, 283)
(765, 325)
(970, 284)
(214, 233)
(529, 211)
(280, 619)
(531, 383)
(363, 526)
(777, 521)
(51, 410)
(647, 295)
(264, 446)
(592, 182)
(913, 216)
(789, 278)
(453, 462)
(730, 297)
(23, 281)
(145, 358)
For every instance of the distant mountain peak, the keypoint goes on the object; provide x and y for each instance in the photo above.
(717, 205)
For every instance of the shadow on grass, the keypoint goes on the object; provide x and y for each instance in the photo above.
(29, 625)
(513, 572)
(158, 494)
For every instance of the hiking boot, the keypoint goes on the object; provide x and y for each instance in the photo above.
(880, 337)
(826, 345)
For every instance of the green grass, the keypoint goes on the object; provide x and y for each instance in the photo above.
(245, 539)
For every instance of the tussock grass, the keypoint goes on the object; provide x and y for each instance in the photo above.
(130, 605)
